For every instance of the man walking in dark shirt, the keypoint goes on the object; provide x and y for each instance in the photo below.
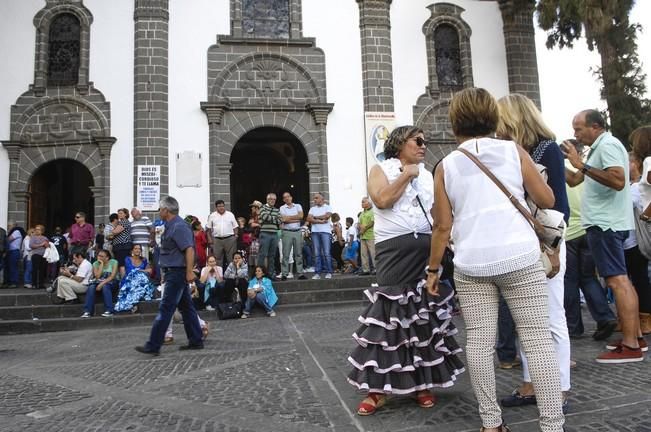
(176, 262)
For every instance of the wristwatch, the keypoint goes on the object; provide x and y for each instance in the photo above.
(585, 168)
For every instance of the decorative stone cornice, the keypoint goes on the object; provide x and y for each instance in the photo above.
(215, 111)
(223, 169)
(151, 9)
(314, 168)
(97, 191)
(105, 144)
(320, 112)
(22, 196)
(13, 149)
(374, 13)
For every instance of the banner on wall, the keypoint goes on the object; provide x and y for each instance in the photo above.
(378, 126)
(148, 187)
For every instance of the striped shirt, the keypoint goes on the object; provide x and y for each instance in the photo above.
(140, 230)
(269, 218)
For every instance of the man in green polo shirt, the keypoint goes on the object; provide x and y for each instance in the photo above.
(367, 237)
(607, 216)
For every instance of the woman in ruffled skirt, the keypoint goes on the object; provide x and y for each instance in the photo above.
(405, 344)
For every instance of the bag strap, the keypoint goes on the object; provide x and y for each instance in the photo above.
(537, 226)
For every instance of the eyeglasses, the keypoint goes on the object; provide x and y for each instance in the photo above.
(420, 142)
(77, 217)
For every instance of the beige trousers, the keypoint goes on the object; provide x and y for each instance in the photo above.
(68, 288)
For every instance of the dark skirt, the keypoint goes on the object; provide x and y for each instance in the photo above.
(405, 343)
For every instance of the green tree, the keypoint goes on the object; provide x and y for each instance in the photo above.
(606, 27)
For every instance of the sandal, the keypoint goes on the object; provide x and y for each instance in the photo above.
(168, 340)
(425, 399)
(371, 403)
(502, 428)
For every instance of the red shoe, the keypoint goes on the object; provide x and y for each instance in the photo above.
(371, 403)
(621, 354)
(425, 399)
(644, 346)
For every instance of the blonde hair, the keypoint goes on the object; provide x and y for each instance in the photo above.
(521, 121)
(473, 113)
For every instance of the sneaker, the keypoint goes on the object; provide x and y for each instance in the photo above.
(244, 316)
(28, 286)
(290, 275)
(605, 330)
(271, 314)
(107, 314)
(310, 270)
(644, 346)
(210, 308)
(316, 276)
(85, 315)
(328, 276)
(49, 289)
(621, 354)
(302, 277)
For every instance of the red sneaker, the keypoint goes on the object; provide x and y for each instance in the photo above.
(644, 346)
(621, 354)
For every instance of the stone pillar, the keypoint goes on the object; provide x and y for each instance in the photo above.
(150, 129)
(377, 72)
(15, 211)
(103, 193)
(520, 42)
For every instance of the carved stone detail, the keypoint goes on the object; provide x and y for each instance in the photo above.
(320, 112)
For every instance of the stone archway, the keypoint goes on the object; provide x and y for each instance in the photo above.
(268, 159)
(57, 190)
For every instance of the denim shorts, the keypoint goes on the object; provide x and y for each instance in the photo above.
(607, 249)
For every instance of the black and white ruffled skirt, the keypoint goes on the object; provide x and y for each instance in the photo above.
(405, 343)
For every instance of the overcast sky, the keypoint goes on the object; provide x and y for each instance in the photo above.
(566, 83)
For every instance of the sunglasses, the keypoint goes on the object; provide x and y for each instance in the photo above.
(420, 142)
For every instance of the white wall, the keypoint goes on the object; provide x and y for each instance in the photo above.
(17, 48)
(111, 71)
(194, 27)
(336, 29)
(410, 58)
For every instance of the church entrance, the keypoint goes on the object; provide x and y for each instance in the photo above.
(268, 159)
(58, 190)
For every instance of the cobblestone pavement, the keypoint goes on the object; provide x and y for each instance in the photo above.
(266, 374)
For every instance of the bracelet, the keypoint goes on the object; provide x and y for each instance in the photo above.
(429, 270)
(585, 168)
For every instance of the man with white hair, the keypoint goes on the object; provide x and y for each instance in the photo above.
(141, 231)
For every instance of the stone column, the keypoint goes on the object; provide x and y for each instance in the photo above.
(103, 193)
(150, 131)
(520, 42)
(377, 72)
(15, 210)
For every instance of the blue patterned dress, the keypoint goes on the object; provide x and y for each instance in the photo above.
(134, 287)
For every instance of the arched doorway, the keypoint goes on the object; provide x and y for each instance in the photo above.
(268, 159)
(58, 189)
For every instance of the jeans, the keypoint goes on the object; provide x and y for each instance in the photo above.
(13, 258)
(176, 294)
(107, 294)
(580, 274)
(505, 347)
(308, 259)
(27, 273)
(259, 298)
(268, 249)
(321, 242)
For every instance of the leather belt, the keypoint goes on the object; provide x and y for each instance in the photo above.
(222, 238)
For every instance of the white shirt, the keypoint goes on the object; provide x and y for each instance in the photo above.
(351, 231)
(222, 225)
(85, 271)
(294, 210)
(491, 237)
(645, 187)
(317, 211)
(405, 216)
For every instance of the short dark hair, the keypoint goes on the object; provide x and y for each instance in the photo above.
(113, 217)
(79, 254)
(397, 139)
(349, 219)
(594, 117)
(219, 201)
(82, 214)
(473, 113)
(107, 252)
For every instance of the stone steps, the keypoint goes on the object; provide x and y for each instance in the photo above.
(28, 311)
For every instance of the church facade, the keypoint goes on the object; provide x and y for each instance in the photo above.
(111, 104)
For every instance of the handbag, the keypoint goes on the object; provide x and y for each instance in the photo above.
(548, 224)
(51, 254)
(230, 310)
(643, 234)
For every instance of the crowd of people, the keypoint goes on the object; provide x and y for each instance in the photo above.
(517, 228)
